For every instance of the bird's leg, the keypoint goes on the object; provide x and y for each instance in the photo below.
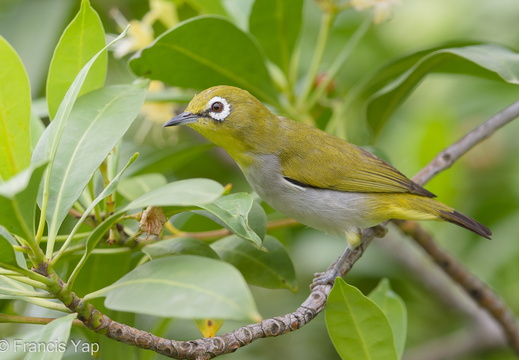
(337, 269)
(353, 237)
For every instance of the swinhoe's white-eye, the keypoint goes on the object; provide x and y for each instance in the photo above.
(309, 175)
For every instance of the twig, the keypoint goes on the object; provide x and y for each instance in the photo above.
(447, 157)
(483, 331)
(219, 233)
(421, 267)
(207, 348)
(441, 162)
(479, 337)
(200, 349)
(477, 290)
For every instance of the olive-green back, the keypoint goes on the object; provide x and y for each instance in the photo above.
(325, 161)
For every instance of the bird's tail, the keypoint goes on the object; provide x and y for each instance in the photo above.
(416, 207)
(466, 222)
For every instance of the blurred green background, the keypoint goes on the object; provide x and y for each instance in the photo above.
(484, 184)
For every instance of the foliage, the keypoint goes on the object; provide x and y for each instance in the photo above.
(90, 195)
(357, 326)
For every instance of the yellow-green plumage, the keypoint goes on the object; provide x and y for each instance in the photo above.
(315, 164)
(305, 173)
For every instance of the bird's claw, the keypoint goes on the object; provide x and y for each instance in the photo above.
(324, 278)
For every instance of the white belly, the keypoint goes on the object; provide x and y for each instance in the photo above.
(334, 212)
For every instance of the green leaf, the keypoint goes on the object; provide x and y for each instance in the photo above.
(484, 60)
(56, 332)
(179, 246)
(394, 308)
(357, 327)
(12, 289)
(66, 105)
(239, 11)
(208, 6)
(183, 286)
(203, 52)
(132, 188)
(35, 49)
(108, 190)
(53, 138)
(276, 24)
(81, 40)
(97, 122)
(271, 268)
(15, 113)
(7, 252)
(18, 201)
(232, 212)
(20, 258)
(183, 193)
(91, 242)
(101, 270)
(36, 128)
(257, 220)
(164, 160)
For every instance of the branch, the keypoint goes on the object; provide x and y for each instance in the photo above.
(441, 162)
(480, 336)
(477, 290)
(421, 267)
(207, 348)
(200, 349)
(220, 233)
(447, 157)
(482, 333)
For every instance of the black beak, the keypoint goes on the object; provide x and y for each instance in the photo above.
(181, 119)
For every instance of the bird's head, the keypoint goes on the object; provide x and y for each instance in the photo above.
(229, 117)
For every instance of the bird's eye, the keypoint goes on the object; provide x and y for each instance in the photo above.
(217, 107)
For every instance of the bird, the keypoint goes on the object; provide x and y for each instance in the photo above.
(307, 174)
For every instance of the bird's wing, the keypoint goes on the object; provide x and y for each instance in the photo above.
(324, 161)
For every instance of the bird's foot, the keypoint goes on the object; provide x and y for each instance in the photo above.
(324, 278)
(379, 231)
(337, 269)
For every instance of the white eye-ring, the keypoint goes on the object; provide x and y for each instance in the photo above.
(219, 108)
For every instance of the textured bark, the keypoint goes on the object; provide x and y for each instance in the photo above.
(208, 348)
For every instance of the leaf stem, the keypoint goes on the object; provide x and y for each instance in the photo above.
(219, 233)
(36, 276)
(28, 273)
(14, 277)
(110, 187)
(47, 304)
(22, 249)
(23, 293)
(60, 120)
(16, 319)
(65, 237)
(91, 243)
(322, 39)
(45, 201)
(97, 211)
(333, 125)
(339, 62)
